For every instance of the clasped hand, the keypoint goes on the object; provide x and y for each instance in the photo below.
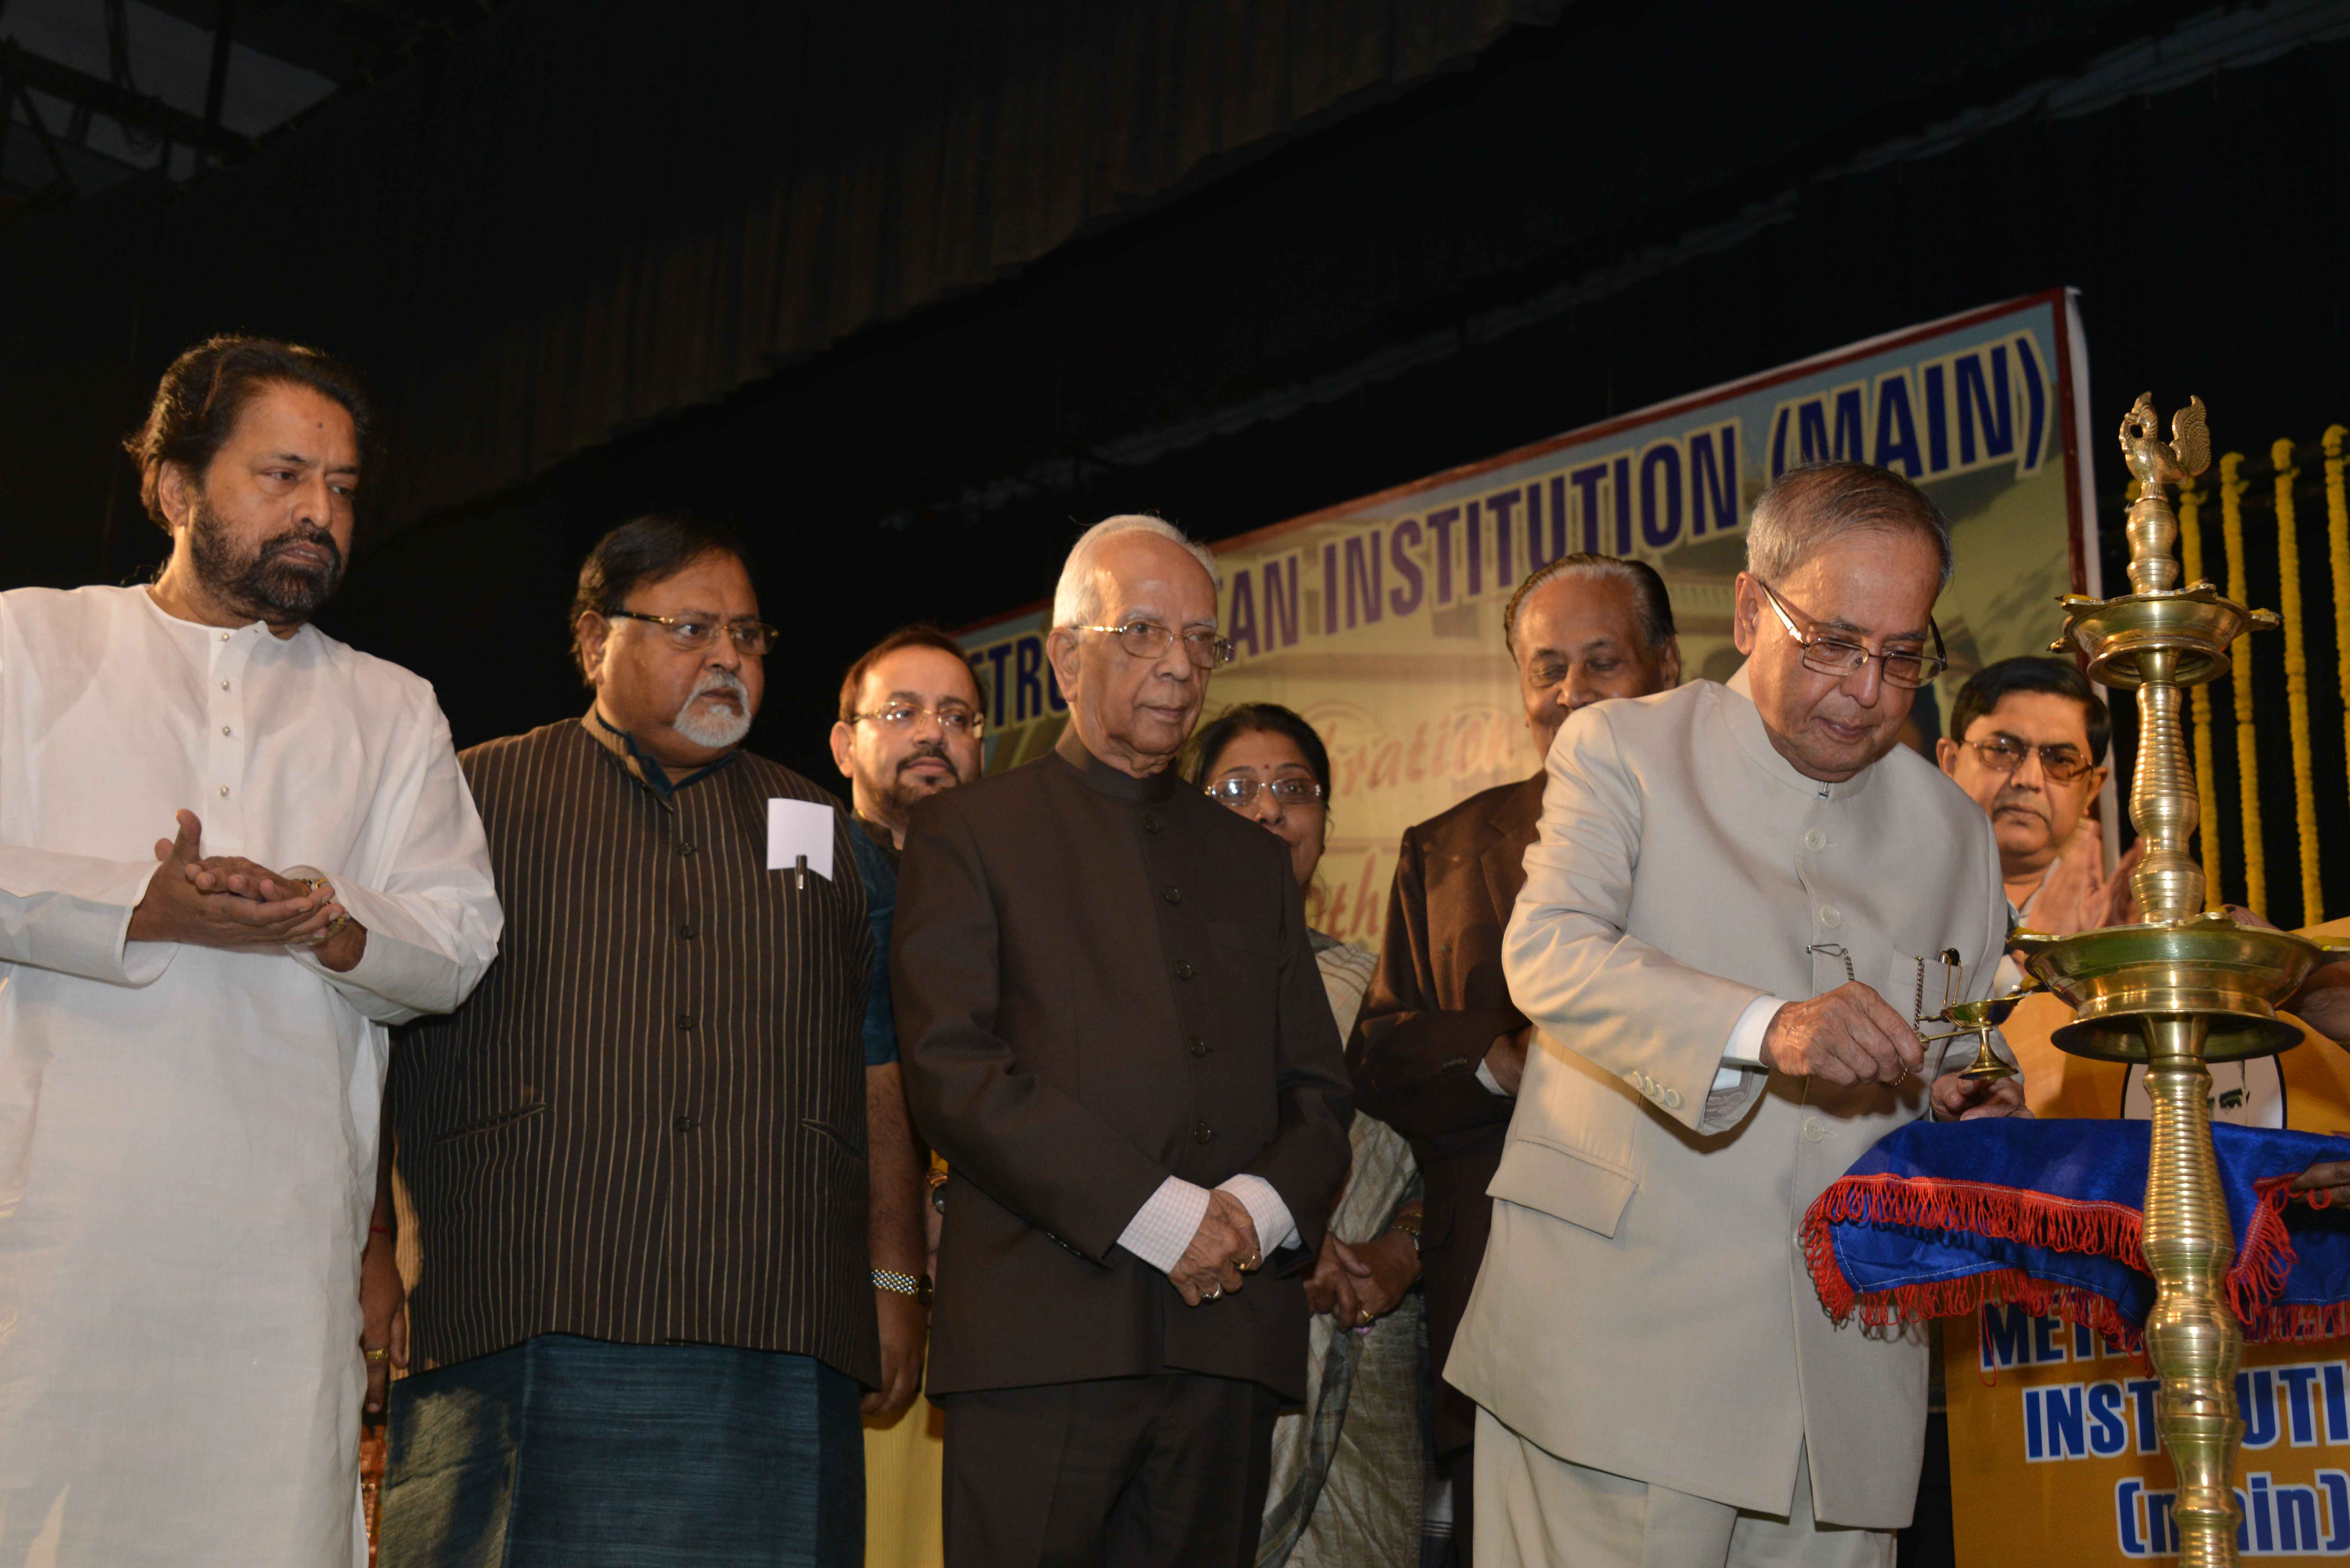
(225, 901)
(1360, 1283)
(1222, 1249)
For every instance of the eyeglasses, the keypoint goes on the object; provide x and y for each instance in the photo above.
(2005, 753)
(1827, 654)
(754, 638)
(1147, 639)
(954, 718)
(1237, 793)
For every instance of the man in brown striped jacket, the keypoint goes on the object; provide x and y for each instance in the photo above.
(642, 1294)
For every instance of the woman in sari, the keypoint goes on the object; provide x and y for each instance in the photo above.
(1349, 1469)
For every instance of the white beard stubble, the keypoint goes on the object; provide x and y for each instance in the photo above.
(717, 730)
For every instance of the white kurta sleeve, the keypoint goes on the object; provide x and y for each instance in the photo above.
(71, 913)
(432, 919)
(1636, 1012)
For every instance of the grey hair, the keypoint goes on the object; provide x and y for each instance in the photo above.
(1808, 506)
(1077, 601)
(1652, 606)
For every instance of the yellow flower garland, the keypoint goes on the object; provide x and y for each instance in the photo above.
(2296, 680)
(2206, 788)
(2337, 531)
(2248, 764)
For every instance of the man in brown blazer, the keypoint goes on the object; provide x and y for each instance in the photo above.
(1439, 1048)
(1115, 1032)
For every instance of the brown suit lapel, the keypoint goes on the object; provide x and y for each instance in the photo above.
(1508, 832)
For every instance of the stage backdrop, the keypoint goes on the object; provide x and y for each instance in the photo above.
(1379, 620)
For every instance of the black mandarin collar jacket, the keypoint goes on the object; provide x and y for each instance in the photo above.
(1103, 981)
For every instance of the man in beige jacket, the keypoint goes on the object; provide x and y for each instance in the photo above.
(1735, 898)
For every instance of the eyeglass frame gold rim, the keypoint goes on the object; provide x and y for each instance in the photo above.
(2086, 766)
(669, 623)
(1222, 644)
(880, 715)
(1940, 659)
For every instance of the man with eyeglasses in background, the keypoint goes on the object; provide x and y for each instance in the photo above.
(644, 1238)
(1116, 1033)
(1730, 898)
(911, 724)
(2027, 744)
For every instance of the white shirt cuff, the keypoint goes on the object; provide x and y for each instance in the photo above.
(1743, 1053)
(1275, 1228)
(1493, 1085)
(1165, 1225)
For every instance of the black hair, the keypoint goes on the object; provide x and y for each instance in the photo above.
(201, 396)
(920, 634)
(1258, 718)
(2030, 672)
(646, 550)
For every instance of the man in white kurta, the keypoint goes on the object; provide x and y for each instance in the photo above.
(1651, 1363)
(188, 1132)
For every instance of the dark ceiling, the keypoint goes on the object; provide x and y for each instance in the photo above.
(96, 93)
(912, 290)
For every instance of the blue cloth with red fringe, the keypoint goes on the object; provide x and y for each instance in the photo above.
(1943, 1217)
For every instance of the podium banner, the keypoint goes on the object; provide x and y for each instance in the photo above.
(1380, 619)
(2054, 1457)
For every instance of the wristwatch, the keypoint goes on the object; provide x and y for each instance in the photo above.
(1409, 1225)
(899, 1283)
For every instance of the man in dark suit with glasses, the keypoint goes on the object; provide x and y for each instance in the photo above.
(1115, 1033)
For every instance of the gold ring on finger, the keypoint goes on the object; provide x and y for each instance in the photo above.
(378, 1355)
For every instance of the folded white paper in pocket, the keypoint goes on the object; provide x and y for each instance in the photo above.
(798, 828)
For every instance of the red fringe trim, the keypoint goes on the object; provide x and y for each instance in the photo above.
(2262, 1269)
(1998, 1287)
(2112, 1231)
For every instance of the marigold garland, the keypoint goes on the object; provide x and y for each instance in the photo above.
(2247, 763)
(2296, 680)
(2337, 538)
(2207, 784)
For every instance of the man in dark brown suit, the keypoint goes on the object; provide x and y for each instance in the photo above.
(1115, 1030)
(1438, 1049)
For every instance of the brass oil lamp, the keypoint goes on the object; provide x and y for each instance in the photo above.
(2181, 988)
(1980, 1019)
